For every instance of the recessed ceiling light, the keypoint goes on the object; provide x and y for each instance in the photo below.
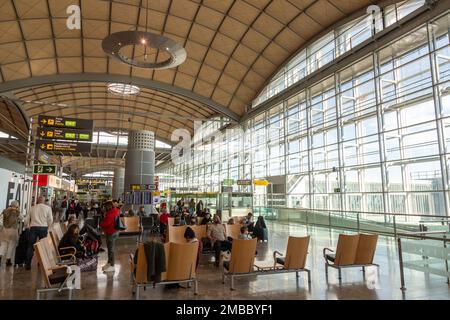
(123, 89)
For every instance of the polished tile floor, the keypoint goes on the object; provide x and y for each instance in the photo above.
(21, 284)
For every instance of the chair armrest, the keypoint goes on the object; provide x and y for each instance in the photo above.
(58, 267)
(325, 252)
(275, 253)
(72, 257)
(71, 248)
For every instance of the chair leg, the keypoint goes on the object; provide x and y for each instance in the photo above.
(326, 272)
(38, 295)
(137, 292)
(340, 275)
(364, 269)
(195, 287)
(70, 294)
(232, 283)
(309, 276)
(296, 273)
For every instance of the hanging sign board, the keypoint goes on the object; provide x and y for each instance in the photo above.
(64, 134)
(62, 146)
(244, 182)
(44, 169)
(260, 182)
(60, 122)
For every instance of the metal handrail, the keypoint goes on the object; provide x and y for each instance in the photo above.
(421, 235)
(364, 212)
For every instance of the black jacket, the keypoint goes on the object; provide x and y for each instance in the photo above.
(68, 241)
(156, 260)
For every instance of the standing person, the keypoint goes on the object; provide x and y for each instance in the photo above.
(71, 207)
(9, 235)
(191, 207)
(78, 209)
(141, 212)
(163, 222)
(109, 228)
(199, 208)
(64, 206)
(218, 237)
(38, 220)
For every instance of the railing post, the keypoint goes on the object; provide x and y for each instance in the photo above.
(357, 221)
(395, 226)
(446, 261)
(306, 218)
(400, 259)
(329, 219)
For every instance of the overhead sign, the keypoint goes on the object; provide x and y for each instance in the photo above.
(65, 134)
(59, 122)
(227, 182)
(62, 146)
(244, 182)
(44, 169)
(43, 157)
(260, 182)
(138, 187)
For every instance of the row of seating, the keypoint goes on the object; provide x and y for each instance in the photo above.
(352, 251)
(52, 266)
(176, 233)
(180, 266)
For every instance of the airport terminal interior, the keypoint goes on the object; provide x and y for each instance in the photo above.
(224, 149)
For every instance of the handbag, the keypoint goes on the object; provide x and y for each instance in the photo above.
(88, 263)
(118, 224)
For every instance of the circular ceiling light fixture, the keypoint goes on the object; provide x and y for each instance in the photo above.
(123, 89)
(113, 44)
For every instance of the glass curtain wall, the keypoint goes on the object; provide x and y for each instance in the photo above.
(375, 137)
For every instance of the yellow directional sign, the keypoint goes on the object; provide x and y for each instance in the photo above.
(260, 182)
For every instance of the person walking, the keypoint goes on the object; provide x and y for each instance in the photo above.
(37, 220)
(109, 228)
(64, 206)
(10, 233)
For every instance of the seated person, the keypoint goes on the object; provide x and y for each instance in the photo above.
(72, 220)
(244, 235)
(193, 220)
(206, 219)
(230, 221)
(218, 237)
(260, 229)
(130, 213)
(190, 237)
(248, 222)
(71, 239)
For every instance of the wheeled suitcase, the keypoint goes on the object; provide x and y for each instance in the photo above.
(22, 247)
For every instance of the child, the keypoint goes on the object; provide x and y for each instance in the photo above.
(244, 234)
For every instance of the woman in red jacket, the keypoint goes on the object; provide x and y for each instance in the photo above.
(109, 228)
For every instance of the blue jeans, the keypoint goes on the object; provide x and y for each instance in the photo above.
(35, 234)
(111, 245)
